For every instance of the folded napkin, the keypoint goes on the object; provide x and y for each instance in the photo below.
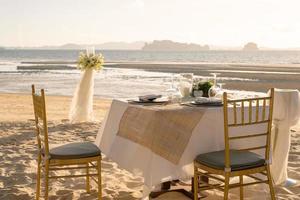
(203, 100)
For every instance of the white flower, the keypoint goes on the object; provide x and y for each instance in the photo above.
(90, 61)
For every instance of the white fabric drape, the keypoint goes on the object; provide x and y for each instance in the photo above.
(285, 115)
(81, 109)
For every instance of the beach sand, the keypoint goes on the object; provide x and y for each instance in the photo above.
(18, 156)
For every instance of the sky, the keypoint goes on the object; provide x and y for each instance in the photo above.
(269, 23)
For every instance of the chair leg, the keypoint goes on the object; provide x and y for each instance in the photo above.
(38, 179)
(99, 179)
(226, 188)
(87, 178)
(46, 179)
(272, 192)
(196, 183)
(241, 188)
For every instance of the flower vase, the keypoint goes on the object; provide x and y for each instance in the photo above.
(205, 93)
(81, 109)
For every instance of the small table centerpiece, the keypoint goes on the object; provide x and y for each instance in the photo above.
(201, 88)
(81, 109)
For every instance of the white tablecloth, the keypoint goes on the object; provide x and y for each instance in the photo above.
(207, 136)
(286, 114)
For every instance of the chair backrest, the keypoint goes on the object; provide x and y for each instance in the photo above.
(248, 112)
(39, 106)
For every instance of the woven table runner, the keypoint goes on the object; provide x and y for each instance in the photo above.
(165, 130)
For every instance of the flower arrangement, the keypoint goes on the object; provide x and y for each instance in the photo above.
(202, 86)
(90, 61)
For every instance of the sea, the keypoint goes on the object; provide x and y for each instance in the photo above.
(117, 82)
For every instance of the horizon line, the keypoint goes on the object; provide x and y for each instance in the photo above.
(211, 46)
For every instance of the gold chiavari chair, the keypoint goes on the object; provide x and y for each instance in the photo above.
(73, 156)
(220, 166)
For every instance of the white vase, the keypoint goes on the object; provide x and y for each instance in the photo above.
(81, 109)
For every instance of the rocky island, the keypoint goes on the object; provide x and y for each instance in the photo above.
(168, 45)
(250, 46)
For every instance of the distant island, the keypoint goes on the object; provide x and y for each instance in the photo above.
(168, 45)
(156, 45)
(250, 46)
(107, 46)
(103, 46)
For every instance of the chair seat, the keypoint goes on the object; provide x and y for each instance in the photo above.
(240, 160)
(75, 151)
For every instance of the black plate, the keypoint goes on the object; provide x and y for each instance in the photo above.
(151, 97)
(149, 102)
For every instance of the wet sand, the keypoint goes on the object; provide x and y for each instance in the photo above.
(260, 77)
(254, 77)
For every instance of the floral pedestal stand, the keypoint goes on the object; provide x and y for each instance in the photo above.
(81, 109)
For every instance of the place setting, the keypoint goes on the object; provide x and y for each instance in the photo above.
(196, 92)
(203, 101)
(149, 100)
(186, 90)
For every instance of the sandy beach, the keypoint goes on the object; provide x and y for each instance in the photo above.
(18, 156)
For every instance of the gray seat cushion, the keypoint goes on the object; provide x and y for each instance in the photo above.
(239, 160)
(75, 150)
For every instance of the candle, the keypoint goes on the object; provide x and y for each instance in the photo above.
(93, 50)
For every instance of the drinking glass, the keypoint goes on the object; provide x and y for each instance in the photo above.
(186, 84)
(215, 78)
(172, 89)
(216, 91)
(212, 92)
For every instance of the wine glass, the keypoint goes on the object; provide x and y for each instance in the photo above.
(220, 86)
(220, 90)
(215, 77)
(186, 84)
(216, 91)
(212, 92)
(172, 89)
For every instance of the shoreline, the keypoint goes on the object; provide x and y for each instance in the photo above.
(174, 63)
(168, 66)
(252, 77)
(258, 79)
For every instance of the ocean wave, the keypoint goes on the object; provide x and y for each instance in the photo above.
(45, 67)
(9, 63)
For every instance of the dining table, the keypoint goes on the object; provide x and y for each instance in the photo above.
(159, 142)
